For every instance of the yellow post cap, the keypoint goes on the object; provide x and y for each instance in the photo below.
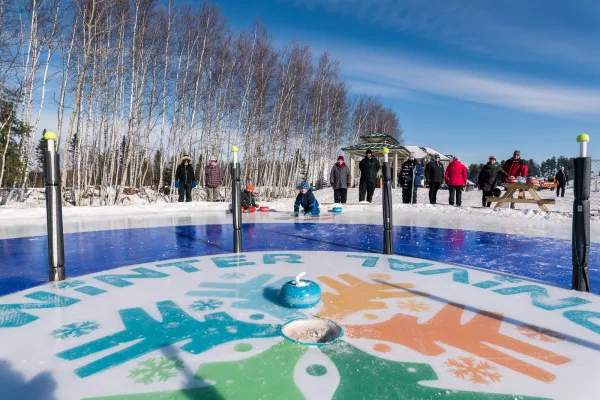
(385, 150)
(49, 135)
(234, 149)
(583, 138)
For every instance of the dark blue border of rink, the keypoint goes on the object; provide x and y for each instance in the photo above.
(23, 261)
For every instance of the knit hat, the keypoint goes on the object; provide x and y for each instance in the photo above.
(456, 158)
(437, 156)
(250, 188)
(341, 158)
(186, 157)
(412, 153)
(213, 158)
(305, 185)
(517, 153)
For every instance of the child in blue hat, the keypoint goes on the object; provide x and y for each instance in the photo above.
(306, 199)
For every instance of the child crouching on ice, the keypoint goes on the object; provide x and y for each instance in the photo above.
(248, 199)
(306, 199)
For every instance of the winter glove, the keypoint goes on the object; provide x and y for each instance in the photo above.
(177, 183)
(193, 184)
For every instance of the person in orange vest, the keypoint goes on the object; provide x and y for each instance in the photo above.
(248, 199)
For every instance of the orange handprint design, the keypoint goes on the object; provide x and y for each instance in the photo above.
(471, 337)
(357, 295)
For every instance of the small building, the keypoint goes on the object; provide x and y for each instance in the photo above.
(398, 153)
(377, 142)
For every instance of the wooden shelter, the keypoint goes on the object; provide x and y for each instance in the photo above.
(376, 142)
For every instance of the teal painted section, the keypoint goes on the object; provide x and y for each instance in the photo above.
(487, 284)
(174, 326)
(185, 266)
(232, 261)
(369, 262)
(541, 299)
(288, 258)
(12, 316)
(121, 280)
(256, 293)
(583, 317)
(90, 290)
(399, 265)
(459, 275)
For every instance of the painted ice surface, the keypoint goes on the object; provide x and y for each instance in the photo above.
(208, 328)
(24, 260)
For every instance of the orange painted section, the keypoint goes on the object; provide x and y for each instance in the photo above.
(358, 295)
(472, 337)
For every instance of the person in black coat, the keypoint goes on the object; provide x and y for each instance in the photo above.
(185, 180)
(562, 179)
(369, 167)
(407, 180)
(488, 179)
(434, 173)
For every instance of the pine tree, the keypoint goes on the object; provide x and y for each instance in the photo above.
(40, 152)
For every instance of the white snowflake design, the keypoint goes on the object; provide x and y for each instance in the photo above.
(165, 369)
(206, 305)
(76, 329)
(232, 275)
(69, 284)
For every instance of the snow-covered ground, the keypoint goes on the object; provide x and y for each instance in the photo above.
(28, 218)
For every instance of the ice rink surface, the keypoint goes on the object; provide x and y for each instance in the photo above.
(472, 305)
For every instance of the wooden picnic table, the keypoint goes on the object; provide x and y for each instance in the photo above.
(522, 189)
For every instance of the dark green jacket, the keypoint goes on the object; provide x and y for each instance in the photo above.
(368, 169)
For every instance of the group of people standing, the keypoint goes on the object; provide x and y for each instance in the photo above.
(409, 177)
(455, 177)
(185, 179)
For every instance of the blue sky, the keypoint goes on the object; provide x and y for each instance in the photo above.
(467, 77)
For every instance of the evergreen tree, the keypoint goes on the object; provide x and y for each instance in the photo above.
(473, 171)
(10, 136)
(40, 153)
(534, 168)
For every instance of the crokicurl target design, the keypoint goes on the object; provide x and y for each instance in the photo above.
(210, 328)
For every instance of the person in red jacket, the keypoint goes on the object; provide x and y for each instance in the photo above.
(456, 177)
(515, 167)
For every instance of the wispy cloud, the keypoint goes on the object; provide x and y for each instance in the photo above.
(509, 29)
(396, 76)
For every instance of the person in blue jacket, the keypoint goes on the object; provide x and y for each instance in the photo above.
(306, 199)
(419, 170)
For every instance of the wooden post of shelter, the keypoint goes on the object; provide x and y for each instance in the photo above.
(377, 142)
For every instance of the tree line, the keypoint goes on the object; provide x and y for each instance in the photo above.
(137, 84)
(548, 168)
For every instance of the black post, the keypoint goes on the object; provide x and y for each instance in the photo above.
(236, 204)
(386, 203)
(581, 222)
(56, 249)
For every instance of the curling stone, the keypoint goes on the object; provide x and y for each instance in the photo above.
(521, 180)
(300, 293)
(337, 209)
(264, 208)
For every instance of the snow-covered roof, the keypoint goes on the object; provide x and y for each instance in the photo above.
(433, 153)
(419, 153)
